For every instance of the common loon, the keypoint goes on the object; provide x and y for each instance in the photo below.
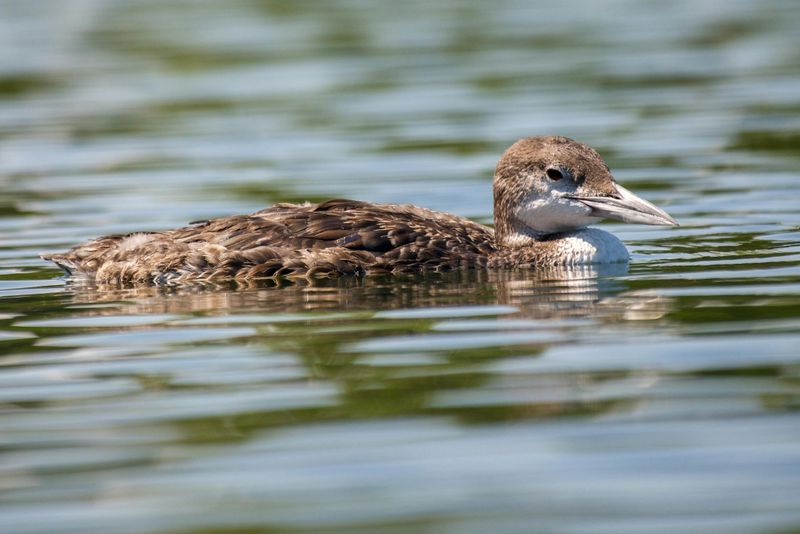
(547, 190)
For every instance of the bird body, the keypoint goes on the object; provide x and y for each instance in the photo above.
(546, 189)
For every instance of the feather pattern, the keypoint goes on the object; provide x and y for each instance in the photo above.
(334, 238)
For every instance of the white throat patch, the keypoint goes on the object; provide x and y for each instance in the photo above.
(554, 214)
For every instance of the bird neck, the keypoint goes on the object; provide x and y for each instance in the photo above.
(510, 231)
(515, 234)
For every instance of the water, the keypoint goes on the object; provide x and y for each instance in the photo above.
(659, 399)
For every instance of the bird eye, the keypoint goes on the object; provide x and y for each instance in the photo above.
(554, 174)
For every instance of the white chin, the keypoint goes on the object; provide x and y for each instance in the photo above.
(552, 217)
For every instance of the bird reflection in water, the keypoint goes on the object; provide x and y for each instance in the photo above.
(553, 292)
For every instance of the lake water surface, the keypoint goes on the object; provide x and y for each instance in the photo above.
(659, 398)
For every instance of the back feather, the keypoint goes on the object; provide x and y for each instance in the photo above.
(334, 238)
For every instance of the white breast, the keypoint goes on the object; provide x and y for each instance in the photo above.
(591, 245)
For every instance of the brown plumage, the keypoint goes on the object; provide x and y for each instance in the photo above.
(348, 237)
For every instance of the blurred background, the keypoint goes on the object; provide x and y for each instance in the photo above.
(657, 398)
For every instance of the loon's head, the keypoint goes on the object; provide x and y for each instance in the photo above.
(545, 185)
